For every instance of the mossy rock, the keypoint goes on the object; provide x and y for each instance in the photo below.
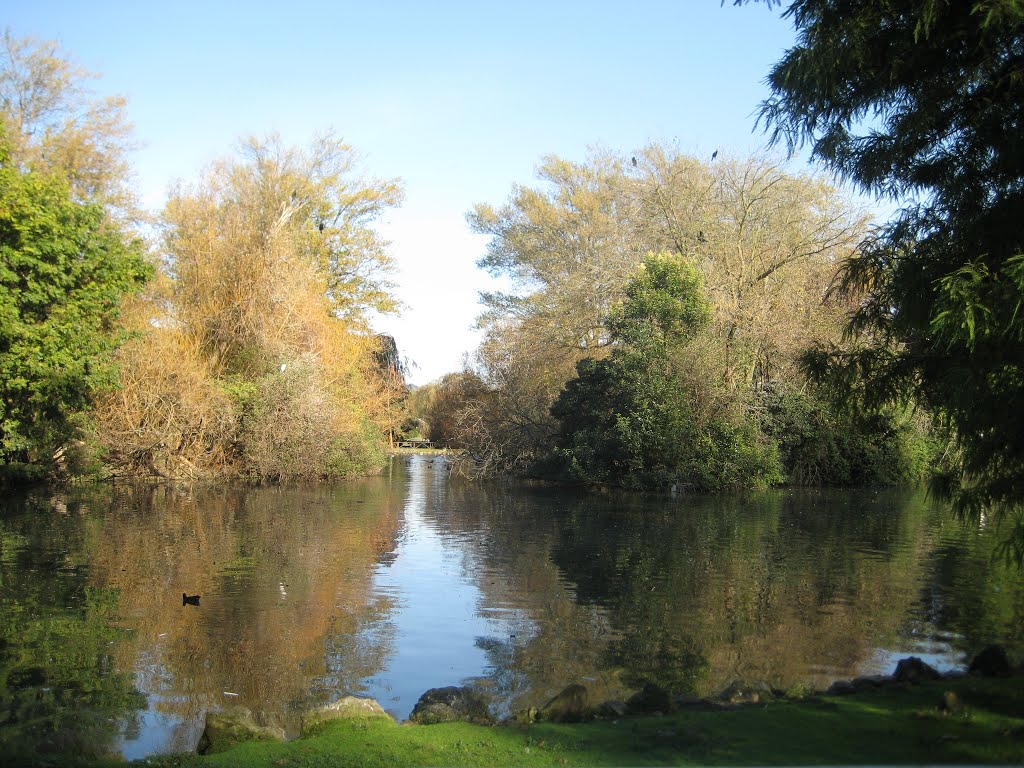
(234, 726)
(991, 662)
(451, 704)
(572, 705)
(650, 698)
(740, 692)
(345, 708)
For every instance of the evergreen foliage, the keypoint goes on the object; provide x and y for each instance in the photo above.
(631, 420)
(924, 102)
(63, 272)
(820, 443)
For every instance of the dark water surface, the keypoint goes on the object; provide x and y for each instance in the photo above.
(389, 586)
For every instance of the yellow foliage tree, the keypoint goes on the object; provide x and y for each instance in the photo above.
(54, 121)
(272, 266)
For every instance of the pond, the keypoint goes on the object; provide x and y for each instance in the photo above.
(388, 586)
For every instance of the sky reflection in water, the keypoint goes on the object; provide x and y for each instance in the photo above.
(389, 586)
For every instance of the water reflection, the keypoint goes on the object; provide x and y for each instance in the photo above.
(283, 575)
(393, 585)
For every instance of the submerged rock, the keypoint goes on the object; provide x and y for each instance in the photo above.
(233, 726)
(991, 662)
(345, 708)
(913, 670)
(570, 706)
(445, 705)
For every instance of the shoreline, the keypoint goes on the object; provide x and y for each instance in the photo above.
(914, 716)
(964, 719)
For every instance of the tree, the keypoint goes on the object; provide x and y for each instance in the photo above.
(764, 242)
(63, 273)
(454, 400)
(664, 305)
(923, 102)
(54, 121)
(567, 248)
(650, 415)
(273, 241)
(256, 356)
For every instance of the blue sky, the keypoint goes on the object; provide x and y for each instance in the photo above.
(460, 100)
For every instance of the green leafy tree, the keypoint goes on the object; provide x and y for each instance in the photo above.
(649, 415)
(63, 272)
(923, 101)
(664, 304)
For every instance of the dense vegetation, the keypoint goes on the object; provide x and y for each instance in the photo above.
(651, 415)
(249, 350)
(253, 354)
(918, 102)
(584, 372)
(236, 343)
(62, 274)
(66, 258)
(922, 102)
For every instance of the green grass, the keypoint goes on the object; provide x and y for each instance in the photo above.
(893, 725)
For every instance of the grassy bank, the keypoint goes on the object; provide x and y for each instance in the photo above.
(890, 725)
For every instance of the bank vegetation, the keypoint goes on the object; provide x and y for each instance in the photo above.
(226, 337)
(651, 338)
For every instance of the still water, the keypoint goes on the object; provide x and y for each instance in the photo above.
(388, 586)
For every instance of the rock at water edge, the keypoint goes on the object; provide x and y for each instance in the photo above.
(991, 662)
(445, 705)
(572, 705)
(651, 698)
(345, 708)
(913, 670)
(233, 726)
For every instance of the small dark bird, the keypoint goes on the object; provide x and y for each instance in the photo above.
(714, 154)
(634, 162)
(321, 226)
(189, 599)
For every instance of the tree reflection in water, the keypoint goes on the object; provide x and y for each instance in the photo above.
(313, 592)
(282, 573)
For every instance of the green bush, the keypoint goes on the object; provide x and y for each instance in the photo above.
(64, 268)
(651, 416)
(819, 444)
